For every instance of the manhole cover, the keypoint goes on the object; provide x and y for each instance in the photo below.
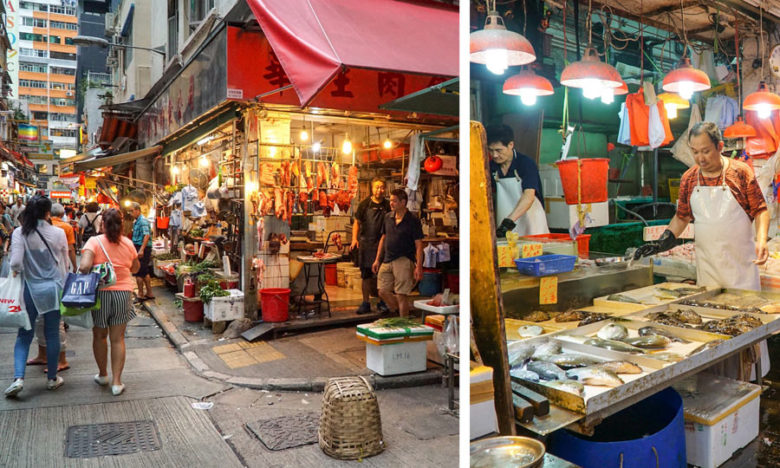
(97, 440)
(287, 431)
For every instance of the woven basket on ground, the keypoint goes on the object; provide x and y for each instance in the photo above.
(350, 425)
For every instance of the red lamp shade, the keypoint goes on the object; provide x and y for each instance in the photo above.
(622, 89)
(590, 71)
(495, 37)
(686, 80)
(762, 101)
(739, 129)
(433, 163)
(528, 81)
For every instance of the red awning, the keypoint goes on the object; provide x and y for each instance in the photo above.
(314, 39)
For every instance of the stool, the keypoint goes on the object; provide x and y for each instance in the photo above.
(350, 424)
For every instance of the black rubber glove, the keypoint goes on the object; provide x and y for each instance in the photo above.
(505, 226)
(664, 243)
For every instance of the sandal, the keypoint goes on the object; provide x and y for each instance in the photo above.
(36, 362)
(60, 368)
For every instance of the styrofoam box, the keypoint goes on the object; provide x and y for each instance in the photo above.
(225, 308)
(482, 415)
(399, 358)
(563, 216)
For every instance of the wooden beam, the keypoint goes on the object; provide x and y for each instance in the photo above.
(669, 8)
(487, 311)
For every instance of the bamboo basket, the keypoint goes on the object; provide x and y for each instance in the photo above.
(350, 424)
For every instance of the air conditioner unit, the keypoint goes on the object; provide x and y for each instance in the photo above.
(69, 93)
(110, 20)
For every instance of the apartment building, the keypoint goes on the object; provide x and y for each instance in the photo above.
(47, 71)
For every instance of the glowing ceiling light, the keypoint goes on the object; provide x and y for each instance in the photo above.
(607, 96)
(686, 80)
(316, 147)
(528, 85)
(497, 47)
(762, 101)
(203, 161)
(175, 170)
(346, 147)
(388, 144)
(304, 135)
(496, 61)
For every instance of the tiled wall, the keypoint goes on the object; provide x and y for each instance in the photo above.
(277, 271)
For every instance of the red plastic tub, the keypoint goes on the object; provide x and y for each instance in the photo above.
(225, 284)
(453, 281)
(583, 241)
(193, 311)
(331, 276)
(275, 304)
(592, 179)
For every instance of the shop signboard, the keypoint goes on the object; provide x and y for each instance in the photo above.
(352, 89)
(12, 20)
(59, 194)
(43, 183)
(200, 87)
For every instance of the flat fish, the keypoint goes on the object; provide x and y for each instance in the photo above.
(568, 361)
(519, 351)
(612, 331)
(547, 349)
(525, 374)
(622, 298)
(546, 370)
(614, 345)
(620, 367)
(530, 330)
(595, 376)
(592, 318)
(645, 331)
(571, 386)
(648, 342)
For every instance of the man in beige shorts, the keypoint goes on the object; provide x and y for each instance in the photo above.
(398, 261)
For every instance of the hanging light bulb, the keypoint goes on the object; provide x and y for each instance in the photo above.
(304, 135)
(388, 144)
(739, 129)
(686, 80)
(497, 47)
(672, 103)
(591, 75)
(346, 147)
(528, 85)
(671, 111)
(607, 96)
(175, 170)
(316, 147)
(203, 161)
(762, 101)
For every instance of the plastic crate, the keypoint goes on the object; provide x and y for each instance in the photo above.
(583, 241)
(545, 264)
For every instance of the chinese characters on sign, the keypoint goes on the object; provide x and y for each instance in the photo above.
(548, 290)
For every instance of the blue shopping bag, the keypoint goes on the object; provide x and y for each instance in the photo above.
(80, 290)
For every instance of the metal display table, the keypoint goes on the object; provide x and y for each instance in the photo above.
(310, 262)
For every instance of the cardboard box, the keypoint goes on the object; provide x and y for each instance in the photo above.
(482, 408)
(563, 216)
(721, 417)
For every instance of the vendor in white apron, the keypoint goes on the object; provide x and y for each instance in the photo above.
(519, 200)
(723, 199)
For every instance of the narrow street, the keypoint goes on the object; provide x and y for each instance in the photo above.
(162, 388)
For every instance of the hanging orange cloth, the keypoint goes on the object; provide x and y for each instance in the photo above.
(639, 119)
(767, 138)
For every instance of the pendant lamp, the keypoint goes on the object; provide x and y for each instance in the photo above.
(497, 47)
(528, 85)
(762, 101)
(739, 129)
(686, 80)
(596, 78)
(673, 102)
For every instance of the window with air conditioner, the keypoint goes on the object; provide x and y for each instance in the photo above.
(198, 9)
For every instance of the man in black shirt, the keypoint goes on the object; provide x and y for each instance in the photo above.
(398, 262)
(366, 232)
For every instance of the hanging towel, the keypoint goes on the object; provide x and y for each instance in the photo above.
(624, 133)
(417, 151)
(721, 110)
(431, 256)
(639, 118)
(655, 128)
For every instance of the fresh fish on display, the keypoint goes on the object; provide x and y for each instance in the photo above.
(620, 367)
(595, 376)
(613, 331)
(645, 331)
(530, 330)
(570, 316)
(614, 345)
(519, 351)
(546, 370)
(546, 349)
(666, 356)
(622, 298)
(648, 342)
(683, 318)
(707, 345)
(568, 361)
(733, 326)
(592, 318)
(525, 374)
(688, 316)
(571, 386)
(537, 316)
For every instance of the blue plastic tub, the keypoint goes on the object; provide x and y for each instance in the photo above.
(652, 428)
(545, 264)
(430, 285)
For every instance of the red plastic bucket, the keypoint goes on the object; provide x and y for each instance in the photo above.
(592, 179)
(193, 311)
(331, 275)
(275, 304)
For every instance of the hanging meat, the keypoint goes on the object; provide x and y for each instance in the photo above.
(303, 200)
(285, 170)
(278, 203)
(323, 198)
(335, 175)
(290, 203)
(315, 198)
(344, 199)
(352, 181)
(309, 179)
(321, 173)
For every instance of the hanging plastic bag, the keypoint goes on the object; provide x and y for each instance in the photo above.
(5, 267)
(82, 320)
(80, 290)
(13, 314)
(451, 334)
(681, 151)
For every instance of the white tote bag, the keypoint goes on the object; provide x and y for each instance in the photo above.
(12, 311)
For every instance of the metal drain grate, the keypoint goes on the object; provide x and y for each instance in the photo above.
(97, 440)
(287, 431)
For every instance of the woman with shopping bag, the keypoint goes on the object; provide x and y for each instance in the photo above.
(39, 253)
(118, 253)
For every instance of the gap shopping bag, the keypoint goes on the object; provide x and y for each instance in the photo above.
(13, 314)
(80, 290)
